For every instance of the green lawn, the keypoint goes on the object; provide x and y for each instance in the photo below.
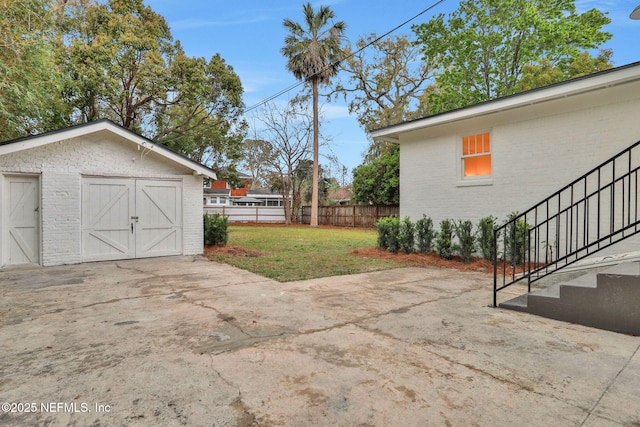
(298, 253)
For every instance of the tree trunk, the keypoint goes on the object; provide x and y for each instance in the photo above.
(316, 165)
(286, 199)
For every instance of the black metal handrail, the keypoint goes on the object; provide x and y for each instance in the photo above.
(595, 211)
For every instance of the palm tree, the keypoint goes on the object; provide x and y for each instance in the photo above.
(313, 54)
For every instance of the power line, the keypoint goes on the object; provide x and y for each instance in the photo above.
(293, 86)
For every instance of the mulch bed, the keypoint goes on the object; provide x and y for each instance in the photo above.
(236, 251)
(427, 260)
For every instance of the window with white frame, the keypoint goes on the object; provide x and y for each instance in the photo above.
(476, 155)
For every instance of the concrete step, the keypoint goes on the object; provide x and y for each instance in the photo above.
(607, 300)
(518, 303)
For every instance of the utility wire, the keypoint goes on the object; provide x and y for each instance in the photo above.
(295, 85)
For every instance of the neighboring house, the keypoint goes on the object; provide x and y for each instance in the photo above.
(341, 196)
(97, 192)
(506, 155)
(220, 193)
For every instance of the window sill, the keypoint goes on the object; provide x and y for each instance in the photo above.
(474, 182)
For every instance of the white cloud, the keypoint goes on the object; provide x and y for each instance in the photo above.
(333, 111)
(190, 24)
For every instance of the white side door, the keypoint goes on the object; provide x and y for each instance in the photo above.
(107, 230)
(158, 218)
(21, 220)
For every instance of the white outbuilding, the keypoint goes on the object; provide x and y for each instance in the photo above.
(97, 192)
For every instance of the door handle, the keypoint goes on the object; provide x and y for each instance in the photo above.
(131, 228)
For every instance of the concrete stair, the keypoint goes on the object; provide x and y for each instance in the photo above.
(607, 300)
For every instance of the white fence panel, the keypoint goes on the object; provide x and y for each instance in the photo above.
(249, 213)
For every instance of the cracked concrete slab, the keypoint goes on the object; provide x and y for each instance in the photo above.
(184, 341)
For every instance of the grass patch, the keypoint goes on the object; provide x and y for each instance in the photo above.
(298, 253)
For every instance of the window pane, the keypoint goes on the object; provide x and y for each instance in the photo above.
(465, 145)
(487, 143)
(476, 166)
(473, 144)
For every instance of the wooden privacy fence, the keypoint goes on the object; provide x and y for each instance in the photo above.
(249, 213)
(349, 216)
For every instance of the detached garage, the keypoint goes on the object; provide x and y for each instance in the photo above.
(97, 192)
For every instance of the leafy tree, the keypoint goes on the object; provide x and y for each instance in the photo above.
(65, 62)
(482, 48)
(121, 63)
(118, 57)
(203, 120)
(29, 79)
(326, 183)
(378, 182)
(545, 73)
(313, 52)
(388, 84)
(387, 81)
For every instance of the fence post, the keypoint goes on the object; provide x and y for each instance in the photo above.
(353, 221)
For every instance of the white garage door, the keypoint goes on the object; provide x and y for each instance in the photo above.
(129, 218)
(21, 220)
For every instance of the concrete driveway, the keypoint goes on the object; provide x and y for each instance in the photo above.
(183, 341)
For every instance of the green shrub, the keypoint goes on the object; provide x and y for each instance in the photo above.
(486, 238)
(407, 235)
(466, 240)
(382, 226)
(515, 240)
(444, 239)
(393, 241)
(425, 234)
(215, 230)
(388, 233)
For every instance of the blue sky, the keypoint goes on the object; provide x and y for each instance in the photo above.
(248, 34)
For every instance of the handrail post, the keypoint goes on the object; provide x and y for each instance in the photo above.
(528, 262)
(495, 267)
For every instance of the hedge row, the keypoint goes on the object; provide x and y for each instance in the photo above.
(454, 237)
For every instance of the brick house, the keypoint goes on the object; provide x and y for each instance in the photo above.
(507, 154)
(220, 193)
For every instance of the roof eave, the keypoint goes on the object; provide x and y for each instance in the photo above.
(566, 89)
(86, 129)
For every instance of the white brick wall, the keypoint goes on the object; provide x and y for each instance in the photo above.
(193, 234)
(536, 150)
(61, 166)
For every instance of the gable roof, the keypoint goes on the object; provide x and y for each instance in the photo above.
(89, 128)
(598, 81)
